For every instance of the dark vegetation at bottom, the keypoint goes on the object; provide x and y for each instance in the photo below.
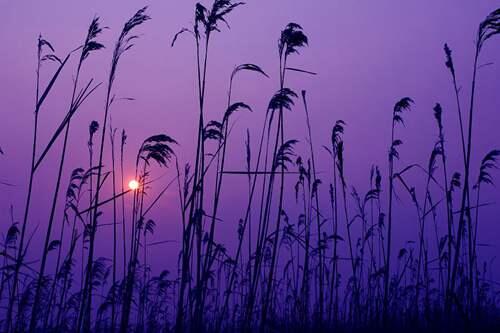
(284, 274)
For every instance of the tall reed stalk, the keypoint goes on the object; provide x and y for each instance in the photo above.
(209, 21)
(401, 106)
(123, 44)
(122, 173)
(489, 28)
(315, 192)
(155, 148)
(112, 135)
(89, 45)
(292, 38)
(39, 100)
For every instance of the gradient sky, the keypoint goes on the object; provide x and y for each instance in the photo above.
(368, 54)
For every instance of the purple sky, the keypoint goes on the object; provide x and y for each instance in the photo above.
(367, 54)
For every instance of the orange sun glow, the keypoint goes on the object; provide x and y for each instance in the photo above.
(133, 184)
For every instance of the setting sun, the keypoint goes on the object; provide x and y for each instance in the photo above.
(133, 184)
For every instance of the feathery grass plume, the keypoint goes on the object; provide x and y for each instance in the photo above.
(125, 41)
(438, 112)
(284, 155)
(337, 131)
(489, 28)
(436, 152)
(157, 148)
(455, 181)
(247, 67)
(401, 106)
(340, 161)
(449, 59)
(238, 106)
(9, 245)
(93, 128)
(488, 162)
(48, 57)
(211, 18)
(90, 43)
(283, 99)
(12, 234)
(292, 38)
(76, 180)
(213, 131)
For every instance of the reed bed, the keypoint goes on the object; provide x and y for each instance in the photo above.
(284, 272)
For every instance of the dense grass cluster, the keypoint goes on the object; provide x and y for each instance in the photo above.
(285, 272)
